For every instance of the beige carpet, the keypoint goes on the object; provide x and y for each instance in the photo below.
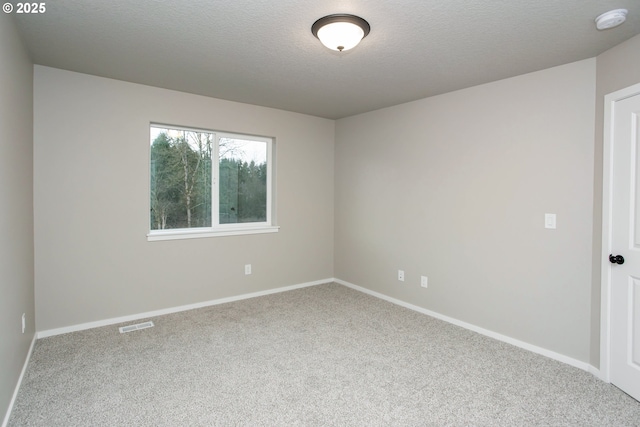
(320, 356)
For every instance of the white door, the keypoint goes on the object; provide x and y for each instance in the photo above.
(625, 246)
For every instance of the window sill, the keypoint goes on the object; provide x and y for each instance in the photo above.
(199, 233)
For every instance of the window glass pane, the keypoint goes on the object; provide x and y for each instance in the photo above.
(243, 180)
(180, 178)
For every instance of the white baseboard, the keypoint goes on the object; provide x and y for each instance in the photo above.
(535, 349)
(15, 392)
(597, 373)
(115, 320)
(106, 322)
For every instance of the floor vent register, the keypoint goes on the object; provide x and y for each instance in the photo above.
(136, 327)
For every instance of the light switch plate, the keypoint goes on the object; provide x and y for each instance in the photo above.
(550, 220)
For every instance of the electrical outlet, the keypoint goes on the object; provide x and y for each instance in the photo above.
(401, 275)
(24, 322)
(424, 281)
(247, 269)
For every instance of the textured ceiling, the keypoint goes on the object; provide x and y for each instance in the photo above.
(262, 51)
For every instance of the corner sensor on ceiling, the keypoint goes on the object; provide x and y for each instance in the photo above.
(611, 19)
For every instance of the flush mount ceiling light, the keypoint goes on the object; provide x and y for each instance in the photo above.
(611, 19)
(340, 32)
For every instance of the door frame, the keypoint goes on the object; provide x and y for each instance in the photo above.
(607, 207)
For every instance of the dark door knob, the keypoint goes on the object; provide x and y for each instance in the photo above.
(616, 259)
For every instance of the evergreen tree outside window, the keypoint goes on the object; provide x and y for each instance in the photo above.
(207, 182)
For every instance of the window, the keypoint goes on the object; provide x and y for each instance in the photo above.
(206, 183)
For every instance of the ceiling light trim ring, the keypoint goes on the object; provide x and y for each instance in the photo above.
(341, 17)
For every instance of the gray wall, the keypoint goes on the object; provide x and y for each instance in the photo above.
(455, 187)
(91, 156)
(16, 208)
(617, 69)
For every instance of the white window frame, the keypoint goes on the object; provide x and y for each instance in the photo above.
(216, 228)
